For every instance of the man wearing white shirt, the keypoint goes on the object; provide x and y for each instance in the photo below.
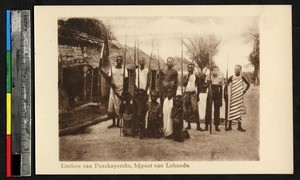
(191, 97)
(117, 77)
(141, 76)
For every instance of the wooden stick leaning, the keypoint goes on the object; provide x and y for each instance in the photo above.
(226, 94)
(210, 95)
(150, 69)
(138, 57)
(134, 66)
(124, 69)
(182, 82)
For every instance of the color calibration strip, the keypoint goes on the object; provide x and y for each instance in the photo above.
(8, 95)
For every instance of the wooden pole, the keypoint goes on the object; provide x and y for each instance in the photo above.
(158, 63)
(134, 66)
(124, 69)
(84, 82)
(226, 93)
(138, 57)
(182, 123)
(210, 94)
(92, 82)
(150, 68)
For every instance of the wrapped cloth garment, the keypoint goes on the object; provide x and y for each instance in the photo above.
(190, 107)
(127, 124)
(167, 120)
(236, 102)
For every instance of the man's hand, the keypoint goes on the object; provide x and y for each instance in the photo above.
(113, 85)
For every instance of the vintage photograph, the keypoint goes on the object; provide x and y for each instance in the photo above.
(159, 88)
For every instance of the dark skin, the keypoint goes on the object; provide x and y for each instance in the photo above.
(123, 108)
(142, 67)
(214, 73)
(168, 75)
(169, 94)
(119, 66)
(154, 97)
(190, 72)
(142, 64)
(178, 108)
(190, 68)
(237, 72)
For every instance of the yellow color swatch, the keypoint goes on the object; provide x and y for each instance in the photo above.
(8, 113)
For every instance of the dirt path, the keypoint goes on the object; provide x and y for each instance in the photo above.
(97, 143)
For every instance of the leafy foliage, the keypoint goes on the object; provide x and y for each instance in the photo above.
(252, 35)
(202, 49)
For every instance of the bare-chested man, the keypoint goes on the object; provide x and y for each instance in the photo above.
(168, 79)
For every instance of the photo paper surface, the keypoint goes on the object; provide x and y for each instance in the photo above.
(163, 89)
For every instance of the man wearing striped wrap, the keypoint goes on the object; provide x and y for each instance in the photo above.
(236, 103)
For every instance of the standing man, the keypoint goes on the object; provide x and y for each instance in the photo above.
(203, 90)
(142, 83)
(116, 75)
(236, 92)
(191, 97)
(217, 88)
(168, 79)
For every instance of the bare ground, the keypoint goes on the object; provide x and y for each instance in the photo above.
(98, 143)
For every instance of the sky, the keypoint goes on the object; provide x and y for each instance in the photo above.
(166, 33)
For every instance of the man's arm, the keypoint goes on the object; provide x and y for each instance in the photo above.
(247, 83)
(122, 108)
(220, 95)
(198, 85)
(229, 80)
(185, 80)
(206, 81)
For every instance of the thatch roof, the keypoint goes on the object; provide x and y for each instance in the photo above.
(81, 32)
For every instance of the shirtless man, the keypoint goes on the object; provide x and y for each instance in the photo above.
(168, 79)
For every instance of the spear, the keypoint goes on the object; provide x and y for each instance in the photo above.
(150, 67)
(226, 95)
(138, 57)
(210, 95)
(182, 81)
(101, 71)
(158, 63)
(182, 67)
(124, 68)
(134, 65)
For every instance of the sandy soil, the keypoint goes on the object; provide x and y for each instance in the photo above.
(98, 143)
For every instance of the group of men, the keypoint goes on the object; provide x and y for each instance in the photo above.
(163, 113)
